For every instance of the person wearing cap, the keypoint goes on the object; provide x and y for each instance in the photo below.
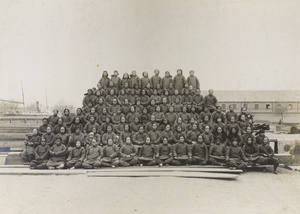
(182, 153)
(179, 81)
(76, 156)
(218, 113)
(88, 97)
(199, 152)
(211, 101)
(217, 153)
(166, 80)
(135, 80)
(193, 80)
(128, 154)
(147, 153)
(116, 79)
(156, 79)
(57, 155)
(235, 157)
(41, 156)
(53, 118)
(43, 128)
(104, 81)
(145, 80)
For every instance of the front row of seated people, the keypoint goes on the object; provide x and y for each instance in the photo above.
(41, 155)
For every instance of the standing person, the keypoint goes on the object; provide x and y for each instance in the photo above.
(164, 153)
(76, 156)
(116, 80)
(145, 80)
(41, 156)
(199, 152)
(211, 101)
(104, 81)
(268, 153)
(126, 80)
(110, 155)
(235, 157)
(182, 153)
(192, 80)
(57, 155)
(147, 154)
(93, 156)
(166, 80)
(53, 118)
(31, 142)
(179, 81)
(135, 80)
(156, 79)
(128, 153)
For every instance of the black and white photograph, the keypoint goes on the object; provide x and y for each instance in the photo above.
(149, 106)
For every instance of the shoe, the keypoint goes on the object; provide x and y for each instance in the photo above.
(160, 165)
(232, 168)
(72, 168)
(223, 164)
(113, 166)
(141, 164)
(51, 168)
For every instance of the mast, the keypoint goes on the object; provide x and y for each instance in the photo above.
(23, 96)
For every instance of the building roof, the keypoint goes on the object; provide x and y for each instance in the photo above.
(258, 95)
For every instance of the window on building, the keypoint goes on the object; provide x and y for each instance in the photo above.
(256, 106)
(268, 106)
(291, 106)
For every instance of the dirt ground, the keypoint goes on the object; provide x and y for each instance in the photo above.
(252, 192)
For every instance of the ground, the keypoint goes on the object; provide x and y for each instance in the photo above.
(252, 192)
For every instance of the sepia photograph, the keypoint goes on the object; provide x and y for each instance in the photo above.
(149, 106)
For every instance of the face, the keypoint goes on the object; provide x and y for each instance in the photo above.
(45, 122)
(154, 126)
(62, 130)
(148, 141)
(194, 127)
(230, 108)
(171, 109)
(58, 142)
(179, 120)
(77, 131)
(181, 139)
(233, 130)
(219, 120)
(152, 102)
(192, 73)
(206, 118)
(55, 112)
(67, 112)
(211, 92)
(143, 92)
(200, 139)
(91, 134)
(92, 119)
(78, 111)
(94, 143)
(110, 142)
(77, 120)
(248, 130)
(152, 118)
(60, 122)
(114, 102)
(109, 129)
(266, 140)
(168, 128)
(136, 120)
(141, 130)
(176, 92)
(218, 141)
(165, 141)
(158, 108)
(128, 140)
(234, 143)
(48, 130)
(101, 101)
(219, 129)
(249, 141)
(43, 141)
(78, 144)
(232, 119)
(126, 127)
(206, 129)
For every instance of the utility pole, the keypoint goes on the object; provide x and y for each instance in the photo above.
(23, 96)
(46, 99)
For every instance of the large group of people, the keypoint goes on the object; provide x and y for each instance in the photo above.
(147, 121)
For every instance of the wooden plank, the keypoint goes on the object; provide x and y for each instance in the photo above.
(15, 166)
(165, 174)
(167, 169)
(40, 172)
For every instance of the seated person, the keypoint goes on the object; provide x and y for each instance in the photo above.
(251, 151)
(93, 156)
(268, 153)
(76, 157)
(217, 153)
(57, 155)
(208, 137)
(41, 156)
(31, 142)
(77, 136)
(139, 137)
(182, 153)
(164, 153)
(49, 136)
(110, 155)
(128, 154)
(192, 136)
(154, 135)
(199, 152)
(147, 154)
(235, 157)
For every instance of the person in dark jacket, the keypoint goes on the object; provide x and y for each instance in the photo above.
(199, 152)
(93, 156)
(179, 81)
(76, 156)
(110, 155)
(166, 80)
(211, 101)
(128, 154)
(104, 81)
(217, 153)
(57, 155)
(116, 80)
(41, 156)
(135, 80)
(53, 118)
(182, 153)
(235, 157)
(32, 140)
(268, 153)
(147, 154)
(164, 153)
(145, 80)
(251, 151)
(192, 80)
(156, 79)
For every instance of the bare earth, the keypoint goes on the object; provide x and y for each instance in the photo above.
(252, 192)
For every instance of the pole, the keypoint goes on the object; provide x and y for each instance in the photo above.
(23, 96)
(46, 99)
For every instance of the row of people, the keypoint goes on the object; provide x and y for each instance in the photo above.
(180, 153)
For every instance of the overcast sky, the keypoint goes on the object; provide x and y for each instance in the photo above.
(63, 46)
